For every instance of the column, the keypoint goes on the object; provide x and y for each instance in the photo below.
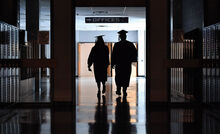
(157, 70)
(32, 27)
(158, 51)
(62, 50)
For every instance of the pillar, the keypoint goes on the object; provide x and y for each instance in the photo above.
(32, 27)
(158, 51)
(62, 44)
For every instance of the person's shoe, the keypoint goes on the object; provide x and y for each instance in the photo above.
(118, 92)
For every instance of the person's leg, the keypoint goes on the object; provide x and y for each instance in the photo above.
(125, 91)
(118, 80)
(118, 91)
(98, 94)
(98, 85)
(104, 88)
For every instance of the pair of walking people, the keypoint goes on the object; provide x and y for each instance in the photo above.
(123, 54)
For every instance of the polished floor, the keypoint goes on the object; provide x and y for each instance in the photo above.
(110, 114)
(50, 121)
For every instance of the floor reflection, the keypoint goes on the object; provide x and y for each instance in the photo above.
(211, 121)
(110, 114)
(184, 121)
(122, 123)
(61, 121)
(100, 126)
(33, 121)
(127, 114)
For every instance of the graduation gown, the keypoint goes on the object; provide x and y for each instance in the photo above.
(123, 54)
(99, 57)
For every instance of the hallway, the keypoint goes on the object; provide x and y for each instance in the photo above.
(43, 89)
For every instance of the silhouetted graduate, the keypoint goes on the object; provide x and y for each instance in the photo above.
(123, 54)
(99, 57)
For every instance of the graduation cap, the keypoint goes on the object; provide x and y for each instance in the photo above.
(99, 36)
(122, 32)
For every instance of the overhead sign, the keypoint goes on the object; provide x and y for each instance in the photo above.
(106, 19)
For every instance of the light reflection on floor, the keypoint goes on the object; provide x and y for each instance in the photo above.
(26, 121)
(110, 113)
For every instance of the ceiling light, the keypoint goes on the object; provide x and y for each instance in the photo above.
(102, 26)
(100, 12)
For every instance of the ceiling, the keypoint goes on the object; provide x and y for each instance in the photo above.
(136, 17)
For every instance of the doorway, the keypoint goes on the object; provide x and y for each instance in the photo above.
(87, 98)
(136, 27)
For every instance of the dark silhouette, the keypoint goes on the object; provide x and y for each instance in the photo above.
(123, 54)
(99, 57)
(100, 126)
(122, 123)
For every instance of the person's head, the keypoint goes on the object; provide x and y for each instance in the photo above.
(122, 34)
(99, 40)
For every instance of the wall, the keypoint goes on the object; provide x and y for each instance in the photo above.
(8, 11)
(212, 12)
(187, 14)
(110, 36)
(177, 14)
(141, 53)
(192, 15)
(76, 52)
(84, 52)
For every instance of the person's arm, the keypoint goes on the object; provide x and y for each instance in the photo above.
(113, 57)
(90, 59)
